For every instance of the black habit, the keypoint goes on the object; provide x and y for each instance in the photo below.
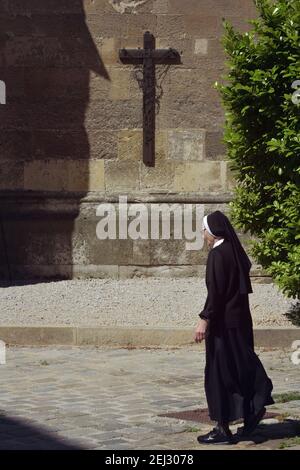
(236, 383)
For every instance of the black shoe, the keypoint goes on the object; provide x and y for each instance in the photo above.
(251, 422)
(216, 436)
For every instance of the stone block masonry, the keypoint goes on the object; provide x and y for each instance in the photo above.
(71, 129)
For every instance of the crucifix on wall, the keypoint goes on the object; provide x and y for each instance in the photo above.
(149, 57)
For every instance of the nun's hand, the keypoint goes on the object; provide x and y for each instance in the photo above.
(200, 330)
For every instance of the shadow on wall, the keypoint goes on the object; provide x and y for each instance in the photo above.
(46, 56)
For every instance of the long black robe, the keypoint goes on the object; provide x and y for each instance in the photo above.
(236, 383)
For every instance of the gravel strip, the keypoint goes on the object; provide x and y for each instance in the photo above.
(132, 302)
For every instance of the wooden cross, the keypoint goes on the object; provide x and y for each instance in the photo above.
(149, 57)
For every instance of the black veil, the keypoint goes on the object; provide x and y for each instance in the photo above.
(220, 226)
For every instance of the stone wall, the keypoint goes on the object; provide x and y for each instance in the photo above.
(71, 131)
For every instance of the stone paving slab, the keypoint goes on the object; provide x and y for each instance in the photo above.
(279, 337)
(103, 398)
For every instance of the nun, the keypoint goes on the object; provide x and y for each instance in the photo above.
(236, 384)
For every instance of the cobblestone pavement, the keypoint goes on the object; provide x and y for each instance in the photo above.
(96, 398)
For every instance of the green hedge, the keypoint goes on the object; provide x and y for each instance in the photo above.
(262, 136)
